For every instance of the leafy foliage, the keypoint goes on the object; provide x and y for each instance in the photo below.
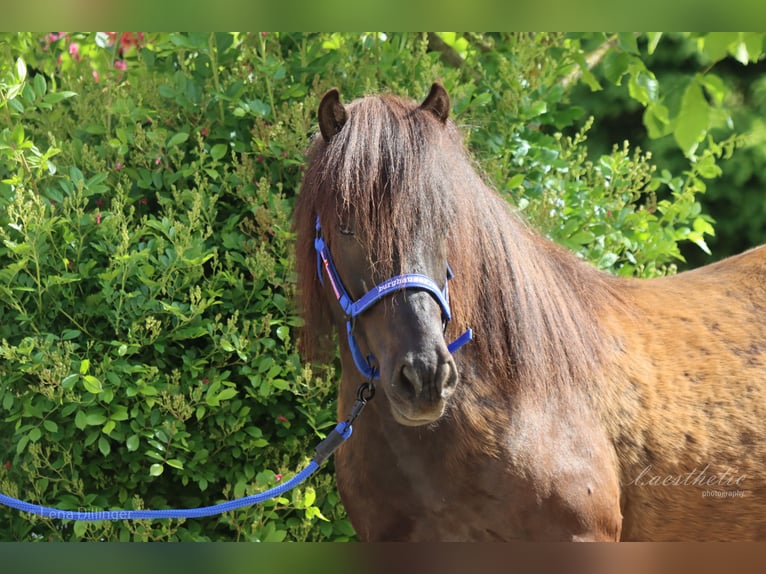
(146, 320)
(707, 93)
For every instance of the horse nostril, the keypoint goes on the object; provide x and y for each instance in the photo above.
(425, 384)
(410, 379)
(447, 378)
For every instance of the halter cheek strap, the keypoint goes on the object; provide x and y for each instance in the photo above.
(352, 309)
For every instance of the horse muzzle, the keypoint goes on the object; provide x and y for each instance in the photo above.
(419, 390)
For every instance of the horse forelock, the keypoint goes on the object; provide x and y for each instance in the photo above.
(409, 182)
(383, 171)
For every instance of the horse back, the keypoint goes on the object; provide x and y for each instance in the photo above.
(689, 416)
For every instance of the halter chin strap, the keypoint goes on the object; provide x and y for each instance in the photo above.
(352, 309)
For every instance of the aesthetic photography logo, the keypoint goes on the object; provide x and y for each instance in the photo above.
(726, 484)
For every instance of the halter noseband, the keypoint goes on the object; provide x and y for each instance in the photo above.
(352, 309)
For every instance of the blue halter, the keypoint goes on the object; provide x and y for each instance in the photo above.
(352, 309)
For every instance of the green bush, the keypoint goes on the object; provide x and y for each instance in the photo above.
(726, 70)
(147, 349)
(148, 352)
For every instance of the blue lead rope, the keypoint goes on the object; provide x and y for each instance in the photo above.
(324, 449)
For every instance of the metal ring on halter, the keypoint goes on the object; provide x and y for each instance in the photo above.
(366, 391)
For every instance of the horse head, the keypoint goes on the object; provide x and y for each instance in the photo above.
(381, 246)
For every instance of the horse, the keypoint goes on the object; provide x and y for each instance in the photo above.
(586, 407)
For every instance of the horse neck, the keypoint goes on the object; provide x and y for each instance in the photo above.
(535, 307)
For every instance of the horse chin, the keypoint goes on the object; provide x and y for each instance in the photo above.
(413, 417)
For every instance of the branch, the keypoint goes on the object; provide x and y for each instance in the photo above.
(591, 60)
(448, 54)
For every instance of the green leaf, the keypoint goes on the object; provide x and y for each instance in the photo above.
(22, 444)
(616, 66)
(132, 443)
(35, 434)
(257, 107)
(715, 87)
(309, 496)
(175, 463)
(178, 139)
(84, 366)
(119, 413)
(92, 384)
(226, 394)
(654, 39)
(80, 420)
(17, 135)
(656, 120)
(536, 109)
(50, 426)
(693, 118)
(748, 48)
(218, 151)
(104, 446)
(156, 469)
(643, 86)
(275, 536)
(69, 381)
(40, 85)
(21, 69)
(607, 260)
(283, 332)
(80, 528)
(93, 419)
(702, 226)
(627, 41)
(716, 44)
(515, 181)
(52, 98)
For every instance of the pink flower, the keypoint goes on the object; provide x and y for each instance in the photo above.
(118, 166)
(277, 477)
(121, 65)
(282, 419)
(96, 76)
(127, 40)
(158, 160)
(98, 218)
(53, 37)
(74, 51)
(130, 39)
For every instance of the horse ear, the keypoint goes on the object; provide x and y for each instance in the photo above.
(332, 114)
(437, 102)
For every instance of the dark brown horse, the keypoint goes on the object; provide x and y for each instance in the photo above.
(587, 407)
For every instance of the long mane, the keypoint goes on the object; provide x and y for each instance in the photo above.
(409, 180)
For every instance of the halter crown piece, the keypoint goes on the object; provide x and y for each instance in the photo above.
(352, 309)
